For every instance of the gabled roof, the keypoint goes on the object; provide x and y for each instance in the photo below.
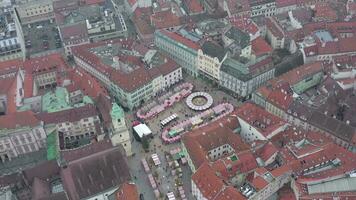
(127, 191)
(95, 173)
(18, 119)
(69, 115)
(199, 141)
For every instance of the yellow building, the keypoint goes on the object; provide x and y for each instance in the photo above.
(210, 58)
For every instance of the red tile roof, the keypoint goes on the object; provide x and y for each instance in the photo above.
(260, 47)
(89, 85)
(285, 3)
(93, 2)
(245, 163)
(127, 191)
(10, 66)
(324, 11)
(193, 6)
(44, 64)
(266, 151)
(281, 97)
(132, 2)
(74, 33)
(259, 183)
(300, 73)
(275, 29)
(28, 86)
(142, 22)
(19, 119)
(165, 19)
(179, 38)
(207, 181)
(127, 81)
(244, 23)
(6, 84)
(230, 193)
(199, 141)
(254, 115)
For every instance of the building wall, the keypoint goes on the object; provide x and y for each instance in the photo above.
(272, 187)
(276, 42)
(275, 110)
(121, 135)
(183, 55)
(196, 192)
(84, 128)
(21, 141)
(259, 99)
(189, 160)
(35, 10)
(172, 78)
(244, 88)
(218, 152)
(15, 44)
(267, 9)
(46, 79)
(209, 66)
(249, 133)
(307, 83)
(285, 9)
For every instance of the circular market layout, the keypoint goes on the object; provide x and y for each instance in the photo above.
(199, 101)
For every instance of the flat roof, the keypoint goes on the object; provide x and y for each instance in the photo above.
(337, 185)
(142, 130)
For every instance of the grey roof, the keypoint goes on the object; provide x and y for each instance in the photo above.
(336, 185)
(244, 70)
(95, 173)
(241, 38)
(214, 50)
(329, 124)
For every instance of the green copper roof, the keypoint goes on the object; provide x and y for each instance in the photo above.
(55, 101)
(52, 150)
(117, 112)
(58, 100)
(24, 108)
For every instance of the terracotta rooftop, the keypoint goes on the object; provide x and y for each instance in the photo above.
(260, 47)
(18, 119)
(10, 66)
(300, 73)
(194, 6)
(128, 81)
(324, 11)
(74, 33)
(259, 118)
(207, 181)
(89, 85)
(285, 3)
(274, 27)
(179, 38)
(127, 191)
(45, 64)
(244, 23)
(199, 141)
(228, 168)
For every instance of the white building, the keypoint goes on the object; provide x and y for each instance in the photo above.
(257, 124)
(31, 11)
(21, 133)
